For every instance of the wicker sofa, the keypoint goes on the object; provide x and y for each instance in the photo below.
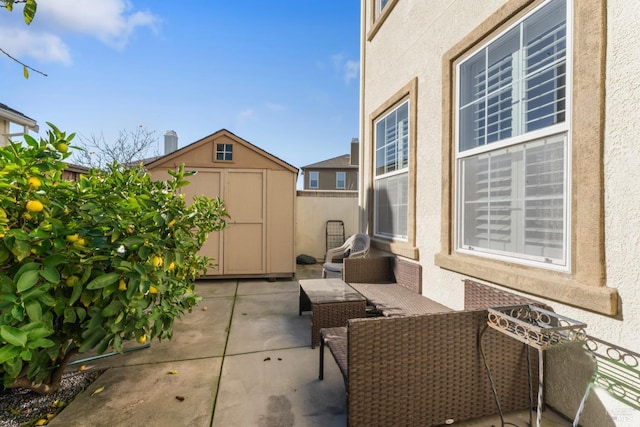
(427, 369)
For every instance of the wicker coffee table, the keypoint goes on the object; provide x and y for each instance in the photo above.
(332, 302)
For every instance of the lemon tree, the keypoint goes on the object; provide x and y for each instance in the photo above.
(90, 264)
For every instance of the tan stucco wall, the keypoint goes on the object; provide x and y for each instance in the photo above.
(314, 209)
(399, 52)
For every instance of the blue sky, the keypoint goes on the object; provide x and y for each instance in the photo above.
(281, 74)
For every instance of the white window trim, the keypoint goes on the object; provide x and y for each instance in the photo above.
(344, 180)
(403, 171)
(317, 179)
(560, 128)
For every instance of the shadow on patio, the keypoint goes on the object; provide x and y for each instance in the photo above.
(242, 358)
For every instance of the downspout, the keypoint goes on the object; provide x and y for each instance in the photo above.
(363, 187)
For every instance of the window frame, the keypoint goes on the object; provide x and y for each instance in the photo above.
(584, 285)
(398, 171)
(522, 138)
(317, 179)
(406, 247)
(344, 180)
(225, 152)
(378, 16)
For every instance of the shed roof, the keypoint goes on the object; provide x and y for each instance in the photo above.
(155, 161)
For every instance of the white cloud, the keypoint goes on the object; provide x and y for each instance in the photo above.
(243, 116)
(351, 70)
(347, 68)
(43, 47)
(110, 21)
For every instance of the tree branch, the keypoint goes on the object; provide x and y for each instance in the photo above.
(22, 63)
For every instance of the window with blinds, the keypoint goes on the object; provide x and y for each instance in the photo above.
(341, 179)
(391, 173)
(512, 142)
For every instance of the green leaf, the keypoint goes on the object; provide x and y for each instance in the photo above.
(8, 352)
(21, 249)
(40, 343)
(53, 260)
(103, 281)
(28, 280)
(129, 242)
(34, 310)
(94, 338)
(50, 274)
(25, 70)
(13, 367)
(75, 294)
(112, 309)
(69, 315)
(36, 330)
(30, 11)
(13, 336)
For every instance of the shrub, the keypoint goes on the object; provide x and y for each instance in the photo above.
(89, 264)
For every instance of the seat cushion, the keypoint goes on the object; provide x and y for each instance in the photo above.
(335, 267)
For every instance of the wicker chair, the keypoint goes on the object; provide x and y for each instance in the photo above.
(356, 246)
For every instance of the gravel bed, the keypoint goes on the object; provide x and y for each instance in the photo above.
(21, 406)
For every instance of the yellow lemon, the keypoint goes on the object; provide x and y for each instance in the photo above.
(156, 261)
(171, 223)
(122, 285)
(62, 147)
(153, 290)
(34, 182)
(142, 339)
(34, 206)
(73, 237)
(80, 242)
(171, 267)
(72, 281)
(27, 216)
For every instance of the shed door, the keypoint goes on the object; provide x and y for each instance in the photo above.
(244, 240)
(208, 183)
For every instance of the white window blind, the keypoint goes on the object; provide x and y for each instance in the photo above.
(516, 84)
(391, 173)
(513, 200)
(513, 144)
(314, 179)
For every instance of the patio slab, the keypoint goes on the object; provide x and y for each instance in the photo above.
(147, 396)
(258, 287)
(216, 288)
(203, 332)
(267, 322)
(279, 388)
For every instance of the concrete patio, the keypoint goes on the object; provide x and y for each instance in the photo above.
(241, 358)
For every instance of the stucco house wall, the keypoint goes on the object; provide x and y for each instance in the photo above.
(314, 209)
(404, 57)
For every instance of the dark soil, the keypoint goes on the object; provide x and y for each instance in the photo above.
(21, 407)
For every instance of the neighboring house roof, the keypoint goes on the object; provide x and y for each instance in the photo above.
(17, 117)
(151, 162)
(76, 168)
(340, 162)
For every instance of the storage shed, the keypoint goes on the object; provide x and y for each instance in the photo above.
(259, 192)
